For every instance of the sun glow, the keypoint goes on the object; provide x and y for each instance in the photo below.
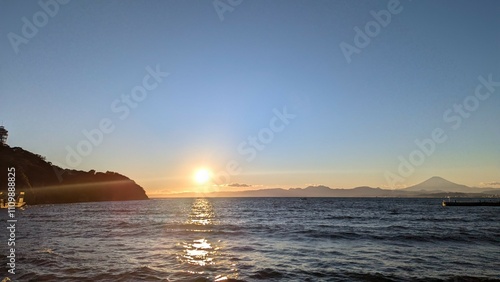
(202, 176)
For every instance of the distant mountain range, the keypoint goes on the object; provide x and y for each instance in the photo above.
(432, 188)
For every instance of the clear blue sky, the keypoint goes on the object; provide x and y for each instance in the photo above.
(229, 74)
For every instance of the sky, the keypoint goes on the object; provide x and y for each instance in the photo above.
(258, 93)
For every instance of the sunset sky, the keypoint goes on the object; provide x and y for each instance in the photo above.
(263, 90)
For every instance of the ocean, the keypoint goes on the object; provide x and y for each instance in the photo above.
(255, 239)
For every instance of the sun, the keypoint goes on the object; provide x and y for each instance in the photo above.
(202, 176)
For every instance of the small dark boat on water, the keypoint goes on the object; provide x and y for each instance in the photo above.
(447, 203)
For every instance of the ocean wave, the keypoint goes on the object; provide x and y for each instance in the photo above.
(266, 274)
(257, 240)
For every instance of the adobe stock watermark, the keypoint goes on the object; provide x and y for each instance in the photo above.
(255, 144)
(363, 37)
(30, 28)
(453, 117)
(11, 221)
(223, 6)
(121, 108)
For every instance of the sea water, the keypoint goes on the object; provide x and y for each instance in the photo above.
(255, 239)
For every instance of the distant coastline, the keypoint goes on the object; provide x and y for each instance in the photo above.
(45, 183)
(434, 187)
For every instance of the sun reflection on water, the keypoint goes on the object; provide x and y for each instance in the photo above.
(201, 254)
(202, 213)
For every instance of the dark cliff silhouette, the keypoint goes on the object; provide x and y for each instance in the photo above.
(45, 183)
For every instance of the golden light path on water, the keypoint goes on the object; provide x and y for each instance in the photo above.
(202, 253)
